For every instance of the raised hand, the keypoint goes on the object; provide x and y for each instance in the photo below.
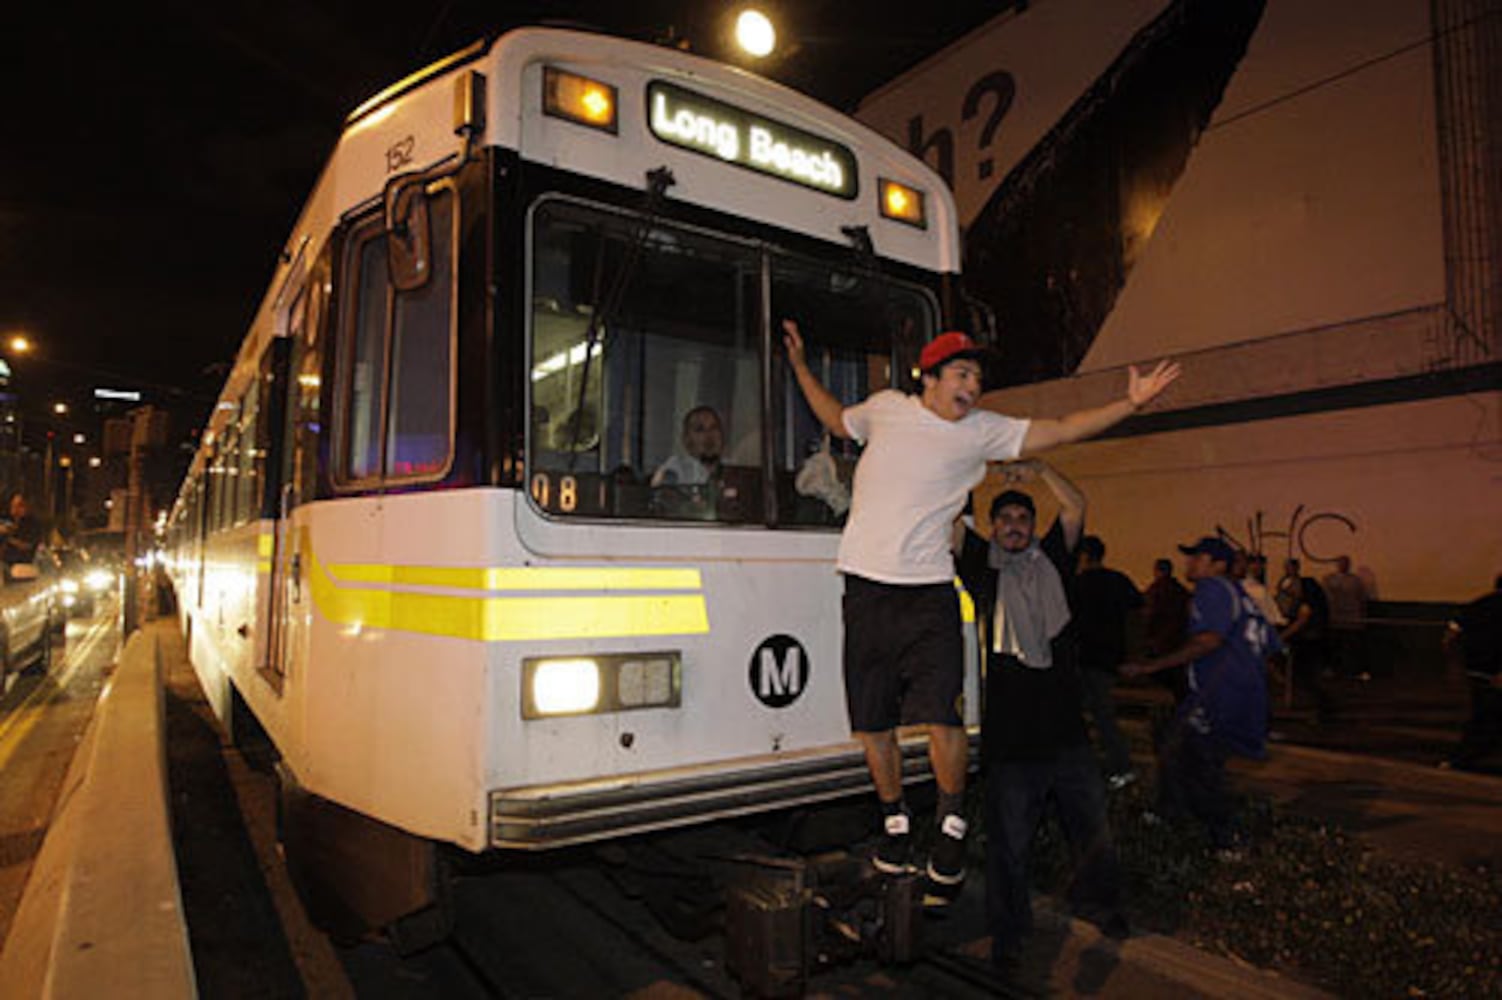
(793, 341)
(1020, 473)
(1143, 389)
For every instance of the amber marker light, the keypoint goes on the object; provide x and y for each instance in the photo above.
(579, 99)
(902, 203)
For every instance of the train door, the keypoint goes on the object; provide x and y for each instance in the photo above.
(291, 366)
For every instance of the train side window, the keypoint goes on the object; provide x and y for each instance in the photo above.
(418, 430)
(365, 358)
(252, 458)
(396, 360)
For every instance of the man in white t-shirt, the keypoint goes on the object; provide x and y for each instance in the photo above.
(903, 647)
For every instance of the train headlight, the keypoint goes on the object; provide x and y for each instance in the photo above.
(609, 682)
(563, 687)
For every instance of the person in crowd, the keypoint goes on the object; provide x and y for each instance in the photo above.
(1035, 746)
(1249, 569)
(1101, 600)
(1347, 598)
(1475, 638)
(1306, 635)
(698, 462)
(1165, 612)
(1225, 711)
(24, 534)
(903, 645)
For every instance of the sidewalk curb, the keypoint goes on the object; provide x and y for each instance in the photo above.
(1408, 773)
(102, 912)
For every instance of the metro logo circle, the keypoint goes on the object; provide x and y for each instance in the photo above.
(779, 671)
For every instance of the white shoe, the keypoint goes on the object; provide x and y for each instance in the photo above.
(1116, 782)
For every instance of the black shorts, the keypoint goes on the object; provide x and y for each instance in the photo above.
(904, 655)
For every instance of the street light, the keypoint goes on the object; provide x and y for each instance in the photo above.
(754, 33)
(18, 343)
(78, 438)
(61, 409)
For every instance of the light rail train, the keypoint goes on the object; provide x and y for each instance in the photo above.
(426, 545)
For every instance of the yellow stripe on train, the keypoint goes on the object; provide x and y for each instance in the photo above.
(595, 578)
(495, 619)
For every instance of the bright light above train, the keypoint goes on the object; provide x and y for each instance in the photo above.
(754, 33)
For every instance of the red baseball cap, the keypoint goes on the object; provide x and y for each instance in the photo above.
(947, 347)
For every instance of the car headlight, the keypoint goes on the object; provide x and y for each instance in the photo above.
(69, 587)
(98, 579)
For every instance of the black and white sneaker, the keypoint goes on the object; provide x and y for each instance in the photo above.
(946, 863)
(891, 856)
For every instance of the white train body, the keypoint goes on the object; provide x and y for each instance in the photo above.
(383, 582)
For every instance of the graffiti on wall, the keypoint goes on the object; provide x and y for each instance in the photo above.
(1310, 536)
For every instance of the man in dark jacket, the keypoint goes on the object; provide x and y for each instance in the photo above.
(1476, 634)
(1101, 600)
(1165, 616)
(1034, 742)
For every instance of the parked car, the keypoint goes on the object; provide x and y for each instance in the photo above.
(27, 621)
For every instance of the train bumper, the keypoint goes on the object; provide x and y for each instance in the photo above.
(540, 816)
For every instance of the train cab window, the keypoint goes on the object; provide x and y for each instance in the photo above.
(862, 332)
(645, 374)
(396, 360)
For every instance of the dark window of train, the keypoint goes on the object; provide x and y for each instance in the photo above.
(252, 458)
(418, 429)
(366, 362)
(412, 333)
(664, 419)
(855, 323)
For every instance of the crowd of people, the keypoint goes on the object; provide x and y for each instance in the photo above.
(1054, 624)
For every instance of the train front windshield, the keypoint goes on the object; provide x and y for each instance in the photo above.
(647, 362)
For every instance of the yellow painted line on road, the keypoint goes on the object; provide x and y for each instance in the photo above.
(19, 724)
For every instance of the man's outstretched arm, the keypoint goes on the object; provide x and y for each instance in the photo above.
(826, 407)
(1082, 424)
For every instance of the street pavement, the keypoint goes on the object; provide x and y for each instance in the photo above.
(42, 718)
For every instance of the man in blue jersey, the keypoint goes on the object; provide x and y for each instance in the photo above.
(1225, 711)
(903, 646)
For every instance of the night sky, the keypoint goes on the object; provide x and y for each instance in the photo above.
(159, 153)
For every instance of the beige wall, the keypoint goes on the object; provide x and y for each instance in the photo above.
(1422, 483)
(1309, 201)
